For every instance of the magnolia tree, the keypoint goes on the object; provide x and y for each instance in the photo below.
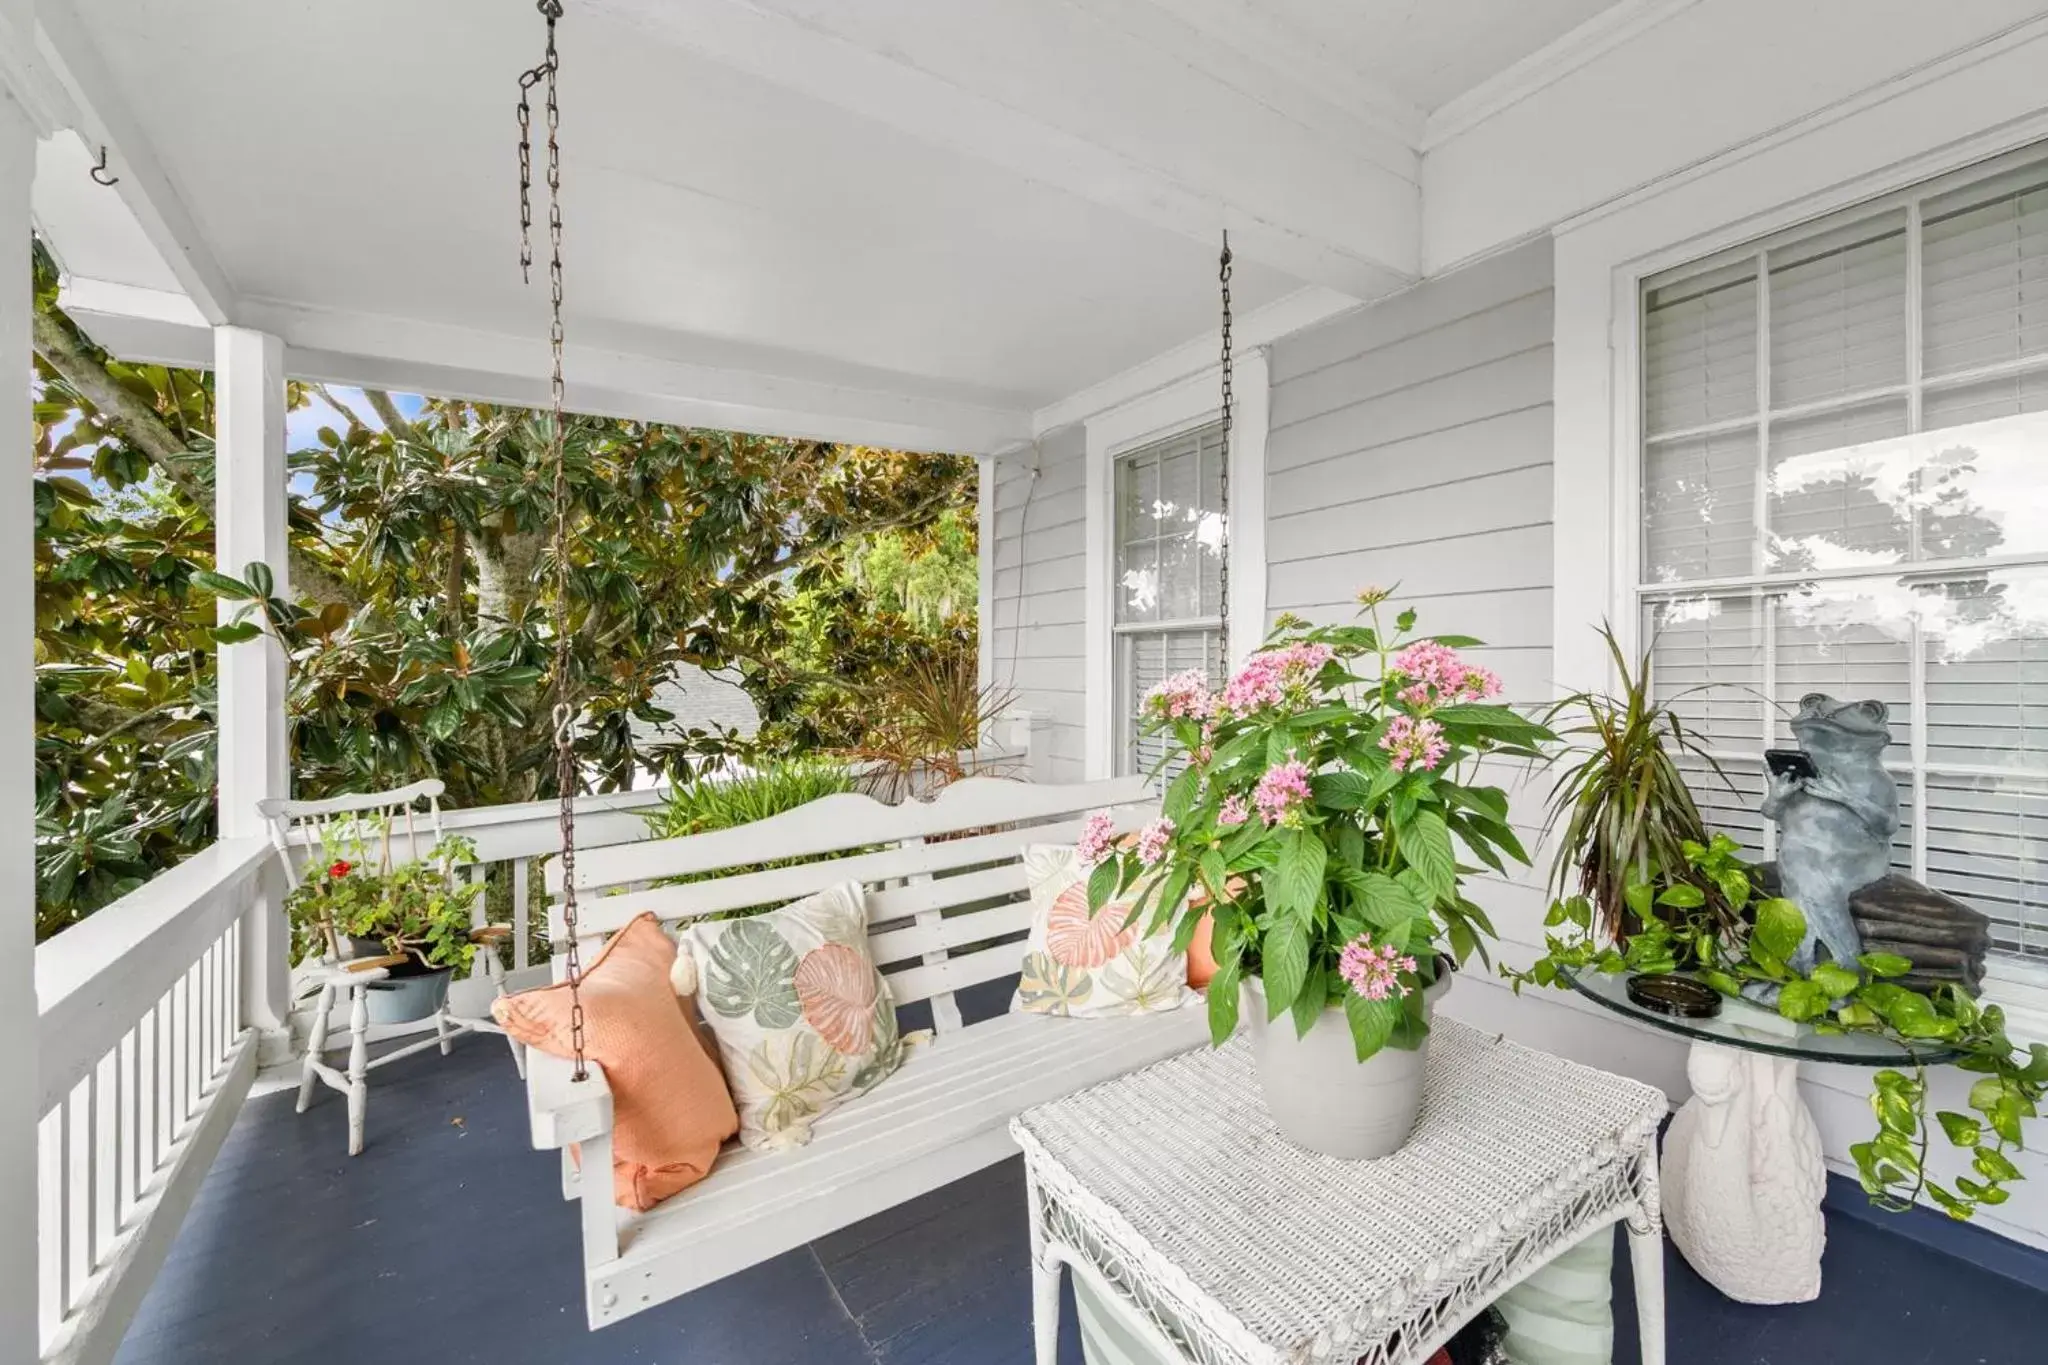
(1320, 802)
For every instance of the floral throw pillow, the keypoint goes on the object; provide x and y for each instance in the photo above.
(803, 1019)
(1090, 966)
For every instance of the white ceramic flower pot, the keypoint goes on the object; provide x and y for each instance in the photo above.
(1321, 1096)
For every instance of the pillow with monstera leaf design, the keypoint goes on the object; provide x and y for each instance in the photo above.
(803, 1019)
(1088, 966)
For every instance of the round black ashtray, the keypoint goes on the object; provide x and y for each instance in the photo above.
(1675, 995)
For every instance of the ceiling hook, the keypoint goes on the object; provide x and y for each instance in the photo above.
(99, 173)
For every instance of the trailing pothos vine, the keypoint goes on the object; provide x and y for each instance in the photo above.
(1678, 932)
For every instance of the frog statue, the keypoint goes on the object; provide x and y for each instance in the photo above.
(1834, 828)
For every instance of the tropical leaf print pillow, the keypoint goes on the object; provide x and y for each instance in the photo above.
(1087, 966)
(803, 1020)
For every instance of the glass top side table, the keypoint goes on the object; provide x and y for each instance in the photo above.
(1742, 1170)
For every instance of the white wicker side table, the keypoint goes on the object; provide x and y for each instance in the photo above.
(1171, 1192)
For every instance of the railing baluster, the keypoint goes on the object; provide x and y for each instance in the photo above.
(52, 1221)
(147, 1058)
(106, 1158)
(78, 1191)
(522, 913)
(128, 1173)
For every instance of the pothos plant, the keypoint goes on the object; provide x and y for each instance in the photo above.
(1678, 930)
(1318, 807)
(415, 909)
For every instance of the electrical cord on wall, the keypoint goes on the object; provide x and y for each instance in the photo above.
(1023, 564)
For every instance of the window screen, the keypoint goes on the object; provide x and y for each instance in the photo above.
(1845, 489)
(1168, 581)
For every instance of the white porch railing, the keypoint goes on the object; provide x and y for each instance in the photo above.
(144, 1053)
(142, 1063)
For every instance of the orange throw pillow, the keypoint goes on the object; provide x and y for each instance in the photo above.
(670, 1109)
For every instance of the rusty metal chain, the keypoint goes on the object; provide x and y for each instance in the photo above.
(1229, 404)
(564, 710)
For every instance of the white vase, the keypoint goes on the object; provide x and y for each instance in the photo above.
(1321, 1096)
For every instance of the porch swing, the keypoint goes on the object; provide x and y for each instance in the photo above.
(945, 898)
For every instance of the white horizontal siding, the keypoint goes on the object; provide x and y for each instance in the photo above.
(1037, 632)
(1411, 445)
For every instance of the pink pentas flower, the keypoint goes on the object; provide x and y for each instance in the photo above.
(1413, 743)
(1436, 675)
(1282, 790)
(1276, 677)
(1184, 696)
(1375, 971)
(1233, 811)
(1153, 841)
(1098, 838)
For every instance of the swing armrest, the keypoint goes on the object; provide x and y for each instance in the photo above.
(562, 1109)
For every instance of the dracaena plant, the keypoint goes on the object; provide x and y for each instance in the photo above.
(1318, 808)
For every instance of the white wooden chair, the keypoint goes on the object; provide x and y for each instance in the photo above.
(296, 829)
(946, 911)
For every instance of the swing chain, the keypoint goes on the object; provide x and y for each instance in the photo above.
(564, 709)
(1229, 403)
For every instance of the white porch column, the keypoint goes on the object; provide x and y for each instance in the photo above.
(249, 526)
(17, 754)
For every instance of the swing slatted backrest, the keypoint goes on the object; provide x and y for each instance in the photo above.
(947, 903)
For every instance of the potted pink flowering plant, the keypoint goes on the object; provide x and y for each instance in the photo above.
(1322, 806)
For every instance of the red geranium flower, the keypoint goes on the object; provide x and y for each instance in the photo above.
(340, 868)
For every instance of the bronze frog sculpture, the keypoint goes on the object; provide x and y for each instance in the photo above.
(1835, 826)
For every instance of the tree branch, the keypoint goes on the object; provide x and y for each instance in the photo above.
(66, 350)
(915, 515)
(388, 413)
(332, 401)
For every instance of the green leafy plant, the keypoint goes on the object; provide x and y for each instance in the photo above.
(1832, 998)
(721, 802)
(924, 716)
(415, 909)
(1620, 811)
(1321, 806)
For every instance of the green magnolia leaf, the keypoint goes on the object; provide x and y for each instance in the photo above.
(1427, 846)
(239, 632)
(1372, 1022)
(1284, 965)
(752, 971)
(1780, 928)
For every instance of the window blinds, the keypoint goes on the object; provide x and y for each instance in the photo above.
(1845, 489)
(1169, 575)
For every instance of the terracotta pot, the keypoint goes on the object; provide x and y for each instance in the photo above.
(1321, 1096)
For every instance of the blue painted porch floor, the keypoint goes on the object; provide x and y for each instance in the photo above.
(448, 1241)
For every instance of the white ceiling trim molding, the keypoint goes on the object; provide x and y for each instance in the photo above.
(101, 117)
(102, 298)
(1302, 309)
(24, 75)
(1307, 199)
(1550, 63)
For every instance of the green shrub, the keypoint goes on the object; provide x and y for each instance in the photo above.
(714, 803)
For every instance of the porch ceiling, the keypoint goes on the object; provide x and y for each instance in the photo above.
(895, 221)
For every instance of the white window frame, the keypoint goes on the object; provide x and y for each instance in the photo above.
(1168, 411)
(1910, 132)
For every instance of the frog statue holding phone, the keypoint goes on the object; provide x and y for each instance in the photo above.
(1837, 809)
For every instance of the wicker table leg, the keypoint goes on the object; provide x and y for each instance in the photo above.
(1646, 1259)
(1045, 1279)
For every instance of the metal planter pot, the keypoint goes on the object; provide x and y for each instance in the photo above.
(404, 999)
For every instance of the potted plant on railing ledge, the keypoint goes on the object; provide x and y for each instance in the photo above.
(412, 919)
(1319, 814)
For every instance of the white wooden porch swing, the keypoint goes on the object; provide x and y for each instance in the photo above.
(945, 890)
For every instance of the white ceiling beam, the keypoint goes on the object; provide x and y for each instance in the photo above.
(1110, 100)
(363, 350)
(101, 116)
